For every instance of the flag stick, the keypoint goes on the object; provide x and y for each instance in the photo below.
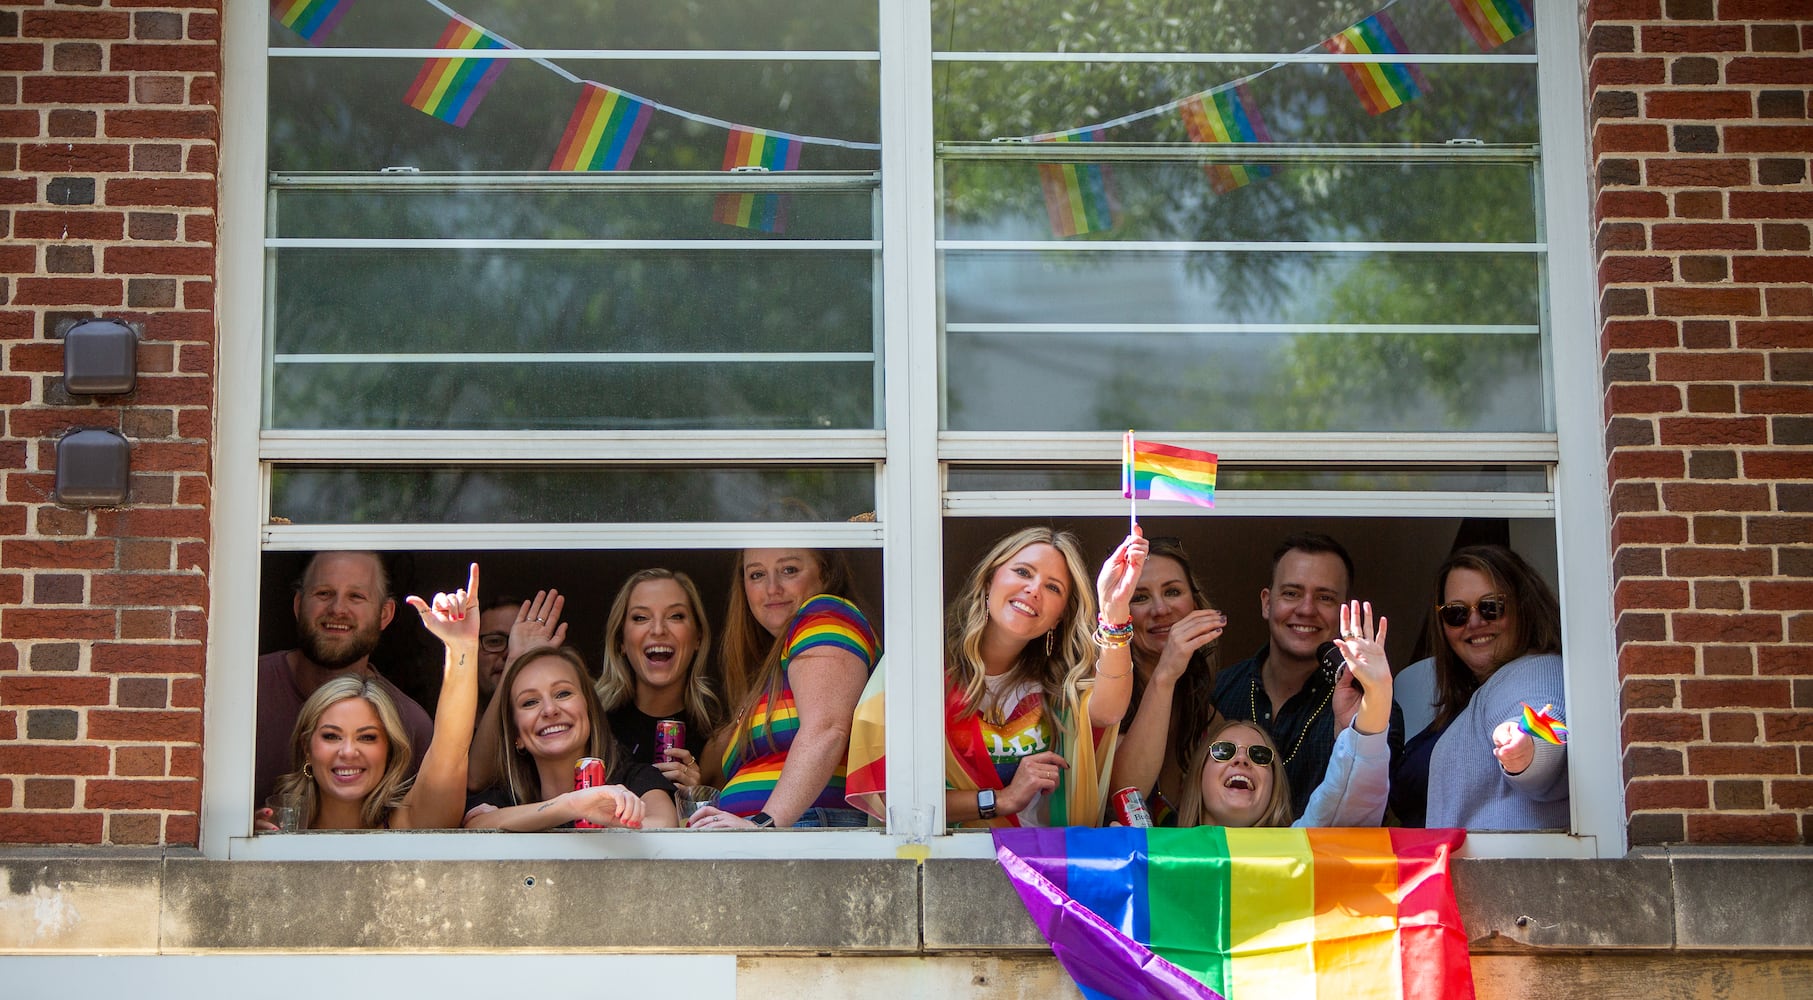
(1127, 483)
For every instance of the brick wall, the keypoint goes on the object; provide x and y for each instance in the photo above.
(1701, 141)
(108, 144)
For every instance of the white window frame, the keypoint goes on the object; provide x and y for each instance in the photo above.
(910, 502)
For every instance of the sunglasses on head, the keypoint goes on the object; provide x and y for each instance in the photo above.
(1258, 753)
(1456, 614)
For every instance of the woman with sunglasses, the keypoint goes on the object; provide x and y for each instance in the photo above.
(1497, 640)
(1232, 780)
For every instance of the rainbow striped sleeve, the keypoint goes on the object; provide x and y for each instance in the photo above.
(1381, 86)
(1492, 22)
(604, 131)
(450, 89)
(827, 620)
(312, 19)
(1212, 912)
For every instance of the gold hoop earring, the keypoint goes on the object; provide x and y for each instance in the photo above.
(1051, 642)
(307, 771)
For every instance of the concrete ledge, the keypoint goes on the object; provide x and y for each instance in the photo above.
(72, 905)
(1754, 898)
(1522, 905)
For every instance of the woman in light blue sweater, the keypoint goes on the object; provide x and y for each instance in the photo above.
(1497, 643)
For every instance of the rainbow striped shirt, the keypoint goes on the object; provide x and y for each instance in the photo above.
(823, 620)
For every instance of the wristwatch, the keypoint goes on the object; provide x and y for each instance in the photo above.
(985, 804)
(762, 820)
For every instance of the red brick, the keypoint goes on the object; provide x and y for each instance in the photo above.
(1732, 727)
(1616, 138)
(1718, 595)
(1783, 595)
(1683, 38)
(1696, 627)
(1657, 594)
(1788, 727)
(42, 793)
(129, 259)
(1735, 693)
(1632, 528)
(62, 758)
(1709, 366)
(106, 794)
(1762, 10)
(1661, 727)
(1609, 71)
(30, 553)
(1696, 172)
(50, 828)
(1791, 794)
(181, 830)
(1795, 268)
(1778, 398)
(145, 623)
(1627, 334)
(1646, 693)
(25, 58)
(1679, 794)
(132, 522)
(1768, 138)
(1630, 204)
(60, 91)
(1694, 104)
(160, 192)
(69, 292)
(48, 690)
(64, 623)
(85, 158)
(1742, 828)
(145, 123)
(133, 828)
(1788, 660)
(1714, 430)
(1768, 69)
(1619, 269)
(80, 224)
(1629, 398)
(75, 24)
(1766, 335)
(166, 58)
(139, 762)
(1705, 236)
(1771, 204)
(146, 658)
(1637, 660)
(1709, 760)
(144, 727)
(147, 589)
(1788, 301)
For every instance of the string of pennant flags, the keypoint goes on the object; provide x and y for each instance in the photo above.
(607, 124)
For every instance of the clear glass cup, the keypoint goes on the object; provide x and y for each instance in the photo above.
(691, 798)
(286, 814)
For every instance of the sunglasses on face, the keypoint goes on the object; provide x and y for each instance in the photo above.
(494, 642)
(1456, 614)
(1258, 753)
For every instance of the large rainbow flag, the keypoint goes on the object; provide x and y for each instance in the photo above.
(1492, 22)
(1226, 115)
(1208, 913)
(450, 89)
(765, 211)
(1380, 85)
(1153, 471)
(312, 19)
(1079, 197)
(604, 131)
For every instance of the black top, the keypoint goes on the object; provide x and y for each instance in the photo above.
(635, 732)
(640, 779)
(1305, 727)
(1410, 778)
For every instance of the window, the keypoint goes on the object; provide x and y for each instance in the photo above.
(1007, 237)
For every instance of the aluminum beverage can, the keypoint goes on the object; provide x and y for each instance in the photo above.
(670, 734)
(588, 773)
(1130, 808)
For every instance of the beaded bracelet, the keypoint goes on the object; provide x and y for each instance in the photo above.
(1121, 631)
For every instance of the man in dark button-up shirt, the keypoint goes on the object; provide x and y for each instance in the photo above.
(1283, 686)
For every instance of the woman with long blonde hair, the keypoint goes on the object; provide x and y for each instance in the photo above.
(656, 647)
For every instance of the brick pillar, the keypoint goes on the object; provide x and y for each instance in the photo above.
(1701, 140)
(108, 145)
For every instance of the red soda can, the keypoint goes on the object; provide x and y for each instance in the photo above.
(589, 773)
(670, 734)
(1130, 808)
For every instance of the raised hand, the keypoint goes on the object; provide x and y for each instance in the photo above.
(1188, 634)
(537, 624)
(1365, 684)
(1119, 577)
(453, 618)
(1513, 747)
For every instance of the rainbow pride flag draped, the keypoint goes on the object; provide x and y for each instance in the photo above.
(1153, 471)
(1079, 197)
(1209, 912)
(312, 19)
(1492, 22)
(1226, 115)
(450, 89)
(762, 210)
(604, 131)
(1381, 86)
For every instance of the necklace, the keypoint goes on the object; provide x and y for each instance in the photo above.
(1252, 704)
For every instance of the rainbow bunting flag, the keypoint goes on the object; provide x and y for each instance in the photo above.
(764, 211)
(1492, 22)
(604, 131)
(1544, 725)
(1214, 913)
(450, 89)
(1381, 85)
(1153, 471)
(1226, 115)
(1079, 197)
(312, 19)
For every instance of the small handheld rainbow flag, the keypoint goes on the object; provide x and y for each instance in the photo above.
(764, 211)
(604, 131)
(1381, 85)
(1210, 912)
(1543, 725)
(1153, 471)
(450, 89)
(1492, 22)
(1079, 197)
(1226, 115)
(312, 19)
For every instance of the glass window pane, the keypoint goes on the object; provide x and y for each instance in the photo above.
(565, 495)
(540, 24)
(1232, 478)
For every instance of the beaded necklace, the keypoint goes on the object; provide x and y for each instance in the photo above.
(1252, 704)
